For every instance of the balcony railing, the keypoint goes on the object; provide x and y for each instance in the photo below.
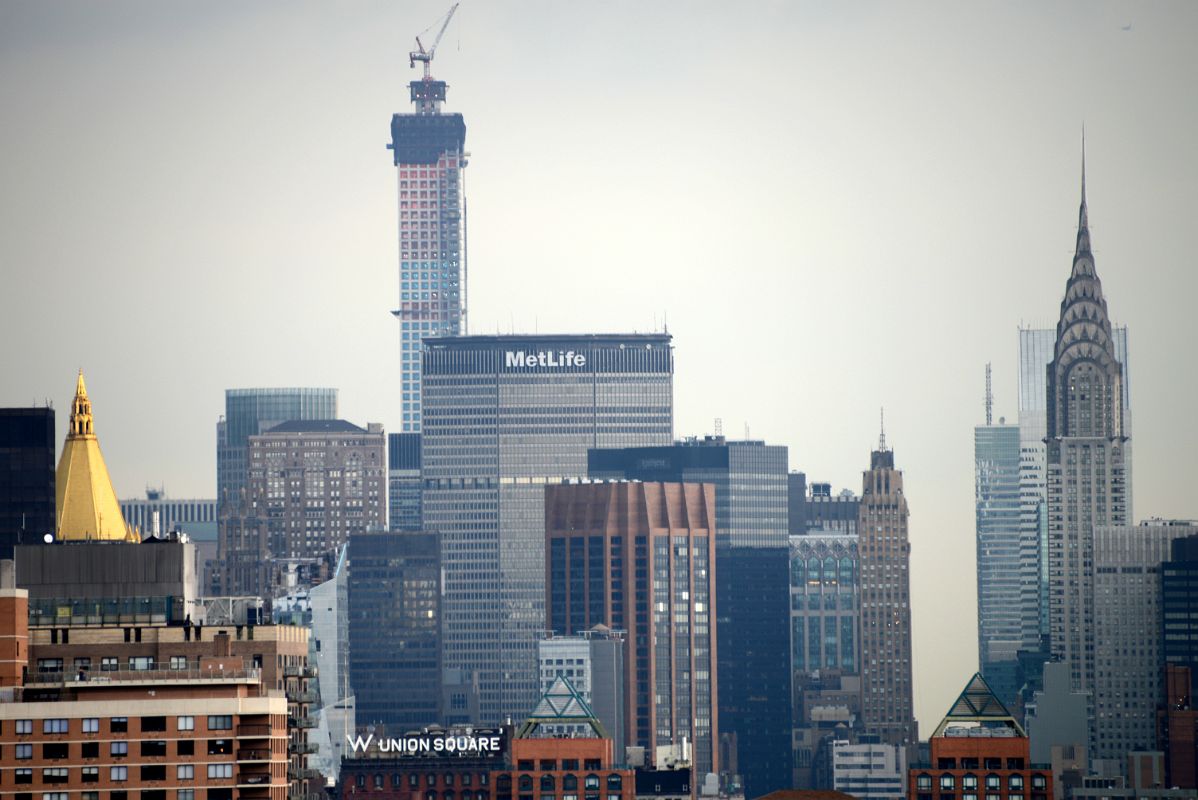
(102, 677)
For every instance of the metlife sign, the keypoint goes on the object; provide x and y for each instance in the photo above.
(552, 359)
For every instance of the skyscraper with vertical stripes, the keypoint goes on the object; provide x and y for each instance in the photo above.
(427, 146)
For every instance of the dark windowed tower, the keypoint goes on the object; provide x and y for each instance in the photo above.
(752, 588)
(395, 629)
(26, 476)
(1086, 479)
(884, 553)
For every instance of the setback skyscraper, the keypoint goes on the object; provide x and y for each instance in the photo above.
(1086, 473)
(503, 417)
(887, 705)
(752, 569)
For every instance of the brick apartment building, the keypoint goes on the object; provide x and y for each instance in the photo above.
(979, 751)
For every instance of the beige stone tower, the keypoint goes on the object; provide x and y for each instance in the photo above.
(887, 705)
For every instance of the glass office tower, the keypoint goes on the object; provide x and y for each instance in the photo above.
(502, 417)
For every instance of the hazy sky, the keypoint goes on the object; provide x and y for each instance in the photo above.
(836, 207)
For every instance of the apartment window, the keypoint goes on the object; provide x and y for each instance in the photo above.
(969, 782)
(54, 726)
(924, 783)
(1015, 783)
(54, 775)
(219, 747)
(220, 794)
(24, 775)
(220, 723)
(993, 782)
(185, 747)
(185, 772)
(118, 749)
(591, 782)
(118, 773)
(141, 663)
(91, 774)
(91, 725)
(153, 794)
(118, 795)
(24, 751)
(54, 796)
(109, 664)
(178, 662)
(378, 781)
(49, 665)
(118, 725)
(220, 770)
(90, 750)
(947, 783)
(186, 794)
(153, 772)
(153, 747)
(153, 724)
(185, 723)
(56, 750)
(24, 726)
(1039, 782)
(90, 796)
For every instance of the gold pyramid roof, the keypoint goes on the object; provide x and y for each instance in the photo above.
(87, 506)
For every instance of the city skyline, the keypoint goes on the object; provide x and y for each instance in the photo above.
(182, 207)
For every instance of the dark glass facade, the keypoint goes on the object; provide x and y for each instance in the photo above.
(753, 576)
(1179, 604)
(504, 416)
(26, 476)
(394, 629)
(403, 482)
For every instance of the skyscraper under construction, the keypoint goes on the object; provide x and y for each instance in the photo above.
(427, 146)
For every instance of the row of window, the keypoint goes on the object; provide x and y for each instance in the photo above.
(145, 794)
(53, 751)
(948, 782)
(216, 722)
(149, 772)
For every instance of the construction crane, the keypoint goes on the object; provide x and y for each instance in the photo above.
(426, 56)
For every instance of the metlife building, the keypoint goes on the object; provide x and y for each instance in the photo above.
(503, 416)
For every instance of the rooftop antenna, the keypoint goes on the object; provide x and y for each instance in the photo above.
(719, 426)
(989, 398)
(882, 435)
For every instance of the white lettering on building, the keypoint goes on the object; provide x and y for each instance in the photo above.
(528, 359)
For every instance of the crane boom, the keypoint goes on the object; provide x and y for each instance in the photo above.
(426, 56)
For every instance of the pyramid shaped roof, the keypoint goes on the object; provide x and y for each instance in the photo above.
(978, 703)
(561, 704)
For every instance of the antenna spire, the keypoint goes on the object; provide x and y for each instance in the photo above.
(882, 435)
(989, 398)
